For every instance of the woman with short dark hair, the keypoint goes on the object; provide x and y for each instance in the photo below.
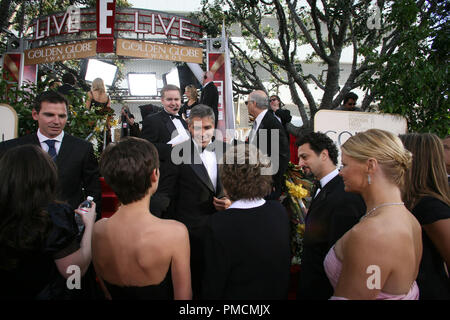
(135, 254)
(247, 246)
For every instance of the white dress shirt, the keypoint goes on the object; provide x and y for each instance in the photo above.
(258, 121)
(179, 126)
(210, 162)
(247, 203)
(58, 140)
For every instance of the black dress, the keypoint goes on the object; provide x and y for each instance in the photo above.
(36, 276)
(432, 280)
(161, 291)
(186, 109)
(247, 254)
(102, 109)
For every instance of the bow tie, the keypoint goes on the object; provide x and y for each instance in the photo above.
(209, 147)
(172, 116)
(316, 187)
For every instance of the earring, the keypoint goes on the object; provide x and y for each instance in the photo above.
(369, 180)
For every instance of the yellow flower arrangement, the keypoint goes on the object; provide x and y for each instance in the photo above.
(298, 188)
(297, 191)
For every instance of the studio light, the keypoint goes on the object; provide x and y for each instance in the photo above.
(172, 77)
(100, 69)
(142, 84)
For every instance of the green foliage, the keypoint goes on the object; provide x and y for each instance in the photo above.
(413, 81)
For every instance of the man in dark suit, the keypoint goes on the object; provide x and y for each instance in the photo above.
(198, 189)
(159, 129)
(210, 95)
(270, 137)
(332, 213)
(78, 175)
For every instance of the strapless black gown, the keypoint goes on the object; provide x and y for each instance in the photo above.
(161, 291)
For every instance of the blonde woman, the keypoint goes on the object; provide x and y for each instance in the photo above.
(97, 97)
(191, 93)
(379, 257)
(100, 101)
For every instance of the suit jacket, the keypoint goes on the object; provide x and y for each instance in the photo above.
(210, 97)
(242, 259)
(268, 125)
(158, 128)
(193, 189)
(331, 214)
(77, 169)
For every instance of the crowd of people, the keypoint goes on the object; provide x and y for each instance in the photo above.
(201, 218)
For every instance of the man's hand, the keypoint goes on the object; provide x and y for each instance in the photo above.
(222, 203)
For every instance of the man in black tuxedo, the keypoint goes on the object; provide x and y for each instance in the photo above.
(332, 213)
(198, 189)
(160, 128)
(78, 175)
(269, 136)
(210, 95)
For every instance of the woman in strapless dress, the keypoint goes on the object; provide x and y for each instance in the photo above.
(379, 257)
(137, 255)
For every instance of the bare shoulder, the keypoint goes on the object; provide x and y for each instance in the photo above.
(100, 225)
(369, 233)
(177, 228)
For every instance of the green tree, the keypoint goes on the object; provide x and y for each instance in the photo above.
(327, 27)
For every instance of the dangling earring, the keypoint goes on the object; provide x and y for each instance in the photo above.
(369, 180)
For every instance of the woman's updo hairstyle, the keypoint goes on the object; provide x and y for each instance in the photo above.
(385, 147)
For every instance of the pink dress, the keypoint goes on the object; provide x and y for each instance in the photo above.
(333, 268)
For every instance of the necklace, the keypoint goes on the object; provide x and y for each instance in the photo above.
(382, 205)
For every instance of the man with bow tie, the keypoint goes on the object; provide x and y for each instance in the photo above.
(78, 175)
(332, 213)
(160, 129)
(198, 189)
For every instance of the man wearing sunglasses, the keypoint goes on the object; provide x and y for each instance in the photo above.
(349, 103)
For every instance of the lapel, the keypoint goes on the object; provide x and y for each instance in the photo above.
(168, 122)
(64, 152)
(323, 193)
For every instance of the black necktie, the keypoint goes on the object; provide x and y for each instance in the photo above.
(316, 187)
(51, 148)
(173, 116)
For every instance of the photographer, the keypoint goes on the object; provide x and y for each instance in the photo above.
(129, 126)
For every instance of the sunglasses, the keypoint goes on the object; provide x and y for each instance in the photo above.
(273, 99)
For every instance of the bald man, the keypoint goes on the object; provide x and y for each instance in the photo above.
(210, 95)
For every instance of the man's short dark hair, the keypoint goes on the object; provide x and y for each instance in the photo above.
(69, 78)
(202, 111)
(127, 167)
(318, 142)
(350, 95)
(49, 96)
